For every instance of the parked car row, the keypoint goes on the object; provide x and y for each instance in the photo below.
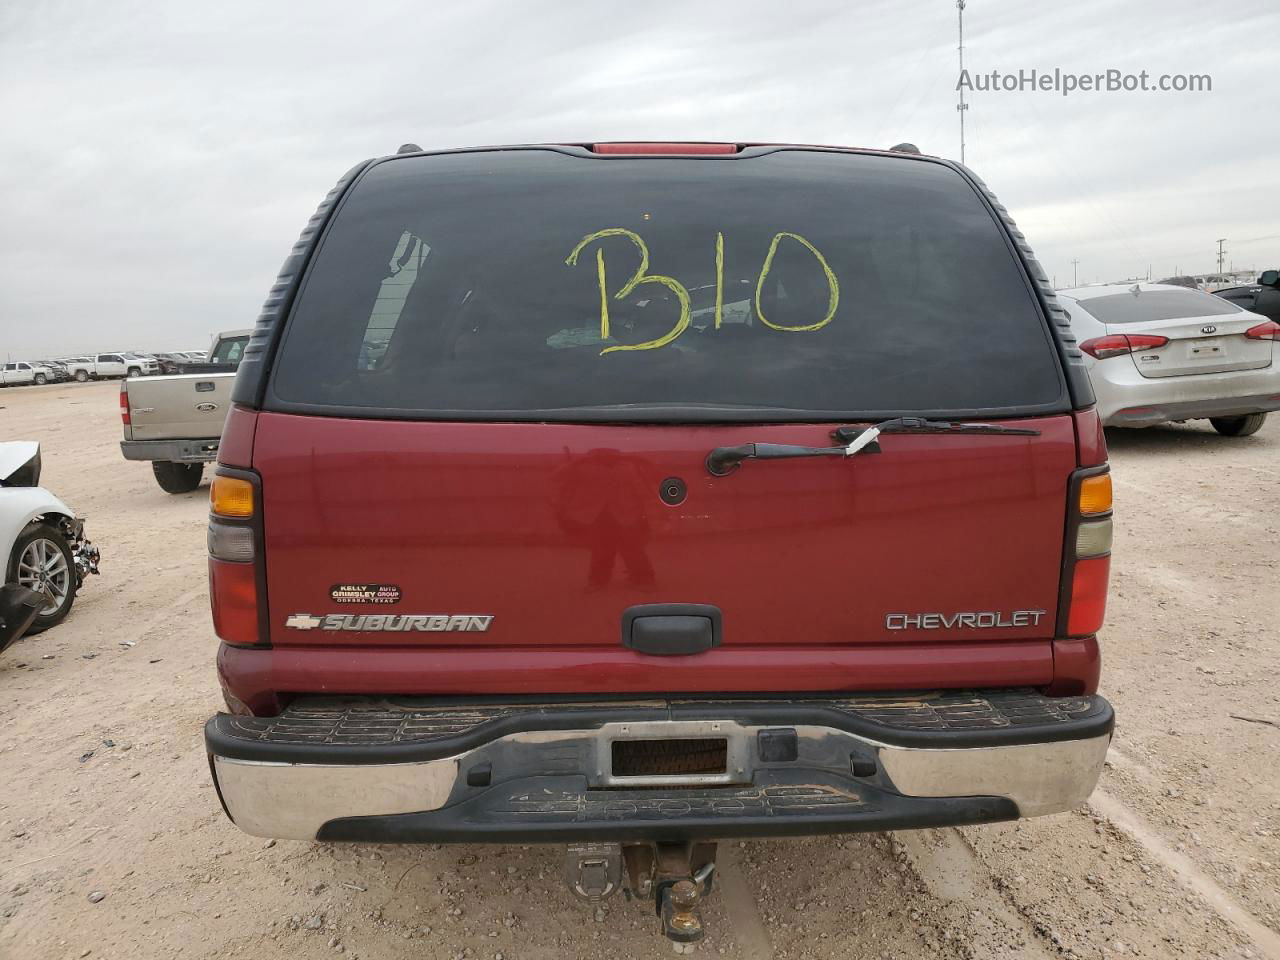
(173, 361)
(98, 366)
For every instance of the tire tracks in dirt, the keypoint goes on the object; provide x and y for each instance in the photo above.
(749, 930)
(950, 869)
(1132, 823)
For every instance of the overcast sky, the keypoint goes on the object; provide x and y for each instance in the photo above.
(158, 159)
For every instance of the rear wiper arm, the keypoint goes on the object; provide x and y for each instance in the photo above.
(724, 460)
(921, 425)
(853, 440)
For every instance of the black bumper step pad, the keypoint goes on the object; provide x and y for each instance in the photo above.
(403, 729)
(561, 809)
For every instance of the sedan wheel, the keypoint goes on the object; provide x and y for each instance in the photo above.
(42, 561)
(1239, 426)
(42, 567)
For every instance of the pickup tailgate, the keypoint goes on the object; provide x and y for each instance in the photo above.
(553, 531)
(184, 407)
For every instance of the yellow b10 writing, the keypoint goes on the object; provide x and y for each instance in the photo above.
(642, 276)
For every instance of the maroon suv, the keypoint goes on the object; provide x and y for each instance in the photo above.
(635, 496)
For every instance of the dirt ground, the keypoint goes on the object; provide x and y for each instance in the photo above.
(104, 787)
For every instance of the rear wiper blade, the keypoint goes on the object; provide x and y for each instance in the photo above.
(921, 425)
(853, 440)
(724, 460)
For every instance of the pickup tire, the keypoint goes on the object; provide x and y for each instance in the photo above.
(177, 477)
(41, 379)
(41, 548)
(82, 376)
(134, 372)
(1239, 426)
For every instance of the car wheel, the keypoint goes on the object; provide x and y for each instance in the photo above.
(1239, 426)
(41, 379)
(177, 477)
(82, 375)
(42, 561)
(134, 372)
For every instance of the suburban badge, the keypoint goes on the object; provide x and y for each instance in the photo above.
(392, 623)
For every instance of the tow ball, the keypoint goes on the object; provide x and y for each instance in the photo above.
(674, 876)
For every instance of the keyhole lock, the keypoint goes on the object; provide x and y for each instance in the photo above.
(672, 491)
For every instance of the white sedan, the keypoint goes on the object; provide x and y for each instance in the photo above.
(1158, 353)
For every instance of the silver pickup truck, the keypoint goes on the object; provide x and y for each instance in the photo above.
(175, 421)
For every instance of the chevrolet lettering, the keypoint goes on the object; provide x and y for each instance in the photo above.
(974, 620)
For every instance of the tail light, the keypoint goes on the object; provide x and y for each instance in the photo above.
(1118, 344)
(124, 403)
(237, 573)
(1270, 330)
(1086, 564)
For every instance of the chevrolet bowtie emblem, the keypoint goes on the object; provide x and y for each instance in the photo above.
(303, 621)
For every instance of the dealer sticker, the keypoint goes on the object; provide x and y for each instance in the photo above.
(365, 593)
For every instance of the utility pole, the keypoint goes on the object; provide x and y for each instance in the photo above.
(1075, 280)
(961, 107)
(1221, 254)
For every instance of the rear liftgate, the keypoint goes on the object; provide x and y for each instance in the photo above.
(675, 875)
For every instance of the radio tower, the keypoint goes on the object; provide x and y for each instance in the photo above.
(961, 107)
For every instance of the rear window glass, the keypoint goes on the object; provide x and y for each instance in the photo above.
(532, 284)
(1149, 306)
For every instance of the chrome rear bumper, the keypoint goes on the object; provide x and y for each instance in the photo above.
(551, 779)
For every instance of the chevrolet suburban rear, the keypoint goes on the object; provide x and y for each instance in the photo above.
(638, 496)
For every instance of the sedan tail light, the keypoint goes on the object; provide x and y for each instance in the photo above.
(1118, 344)
(1269, 330)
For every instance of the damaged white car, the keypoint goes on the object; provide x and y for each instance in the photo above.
(42, 544)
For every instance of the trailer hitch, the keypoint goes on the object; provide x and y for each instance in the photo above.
(676, 876)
